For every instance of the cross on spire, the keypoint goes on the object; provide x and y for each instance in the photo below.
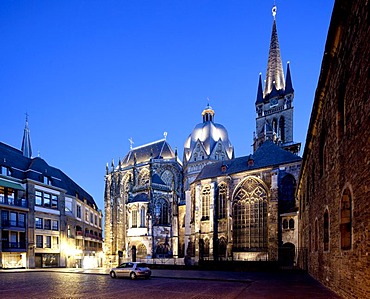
(131, 142)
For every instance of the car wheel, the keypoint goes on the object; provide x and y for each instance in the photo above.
(112, 274)
(133, 275)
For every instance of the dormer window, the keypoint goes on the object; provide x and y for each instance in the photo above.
(46, 180)
(5, 171)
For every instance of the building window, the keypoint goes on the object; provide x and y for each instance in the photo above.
(96, 220)
(221, 209)
(55, 225)
(78, 211)
(250, 216)
(39, 223)
(39, 241)
(47, 224)
(282, 129)
(55, 242)
(346, 220)
(286, 194)
(91, 217)
(326, 230)
(134, 217)
(285, 224)
(316, 238)
(192, 197)
(7, 195)
(46, 200)
(48, 242)
(142, 217)
(87, 216)
(47, 180)
(21, 220)
(161, 212)
(5, 171)
(291, 223)
(206, 194)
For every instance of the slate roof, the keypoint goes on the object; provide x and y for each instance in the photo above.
(268, 154)
(141, 197)
(32, 168)
(157, 150)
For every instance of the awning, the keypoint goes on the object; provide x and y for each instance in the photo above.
(12, 185)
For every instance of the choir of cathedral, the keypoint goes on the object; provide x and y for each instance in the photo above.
(211, 205)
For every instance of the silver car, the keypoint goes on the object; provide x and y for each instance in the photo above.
(131, 269)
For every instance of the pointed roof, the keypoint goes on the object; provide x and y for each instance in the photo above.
(259, 91)
(288, 81)
(26, 142)
(275, 73)
(157, 150)
(267, 155)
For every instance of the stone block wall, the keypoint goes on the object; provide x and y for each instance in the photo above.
(337, 157)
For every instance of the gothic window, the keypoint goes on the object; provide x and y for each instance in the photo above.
(205, 202)
(322, 151)
(221, 207)
(250, 216)
(316, 238)
(222, 245)
(141, 251)
(291, 223)
(195, 156)
(285, 224)
(326, 230)
(167, 177)
(134, 217)
(287, 191)
(161, 212)
(282, 128)
(192, 197)
(274, 126)
(191, 249)
(143, 178)
(142, 217)
(346, 220)
(206, 248)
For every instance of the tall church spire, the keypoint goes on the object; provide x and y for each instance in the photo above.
(26, 142)
(274, 74)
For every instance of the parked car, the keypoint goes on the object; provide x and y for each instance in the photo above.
(131, 269)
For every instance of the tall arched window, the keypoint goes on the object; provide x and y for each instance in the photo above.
(291, 223)
(205, 202)
(250, 216)
(134, 217)
(274, 126)
(161, 212)
(316, 235)
(346, 220)
(326, 230)
(141, 251)
(222, 245)
(142, 217)
(287, 191)
(282, 128)
(206, 247)
(144, 177)
(221, 203)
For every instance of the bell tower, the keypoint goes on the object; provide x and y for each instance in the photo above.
(274, 103)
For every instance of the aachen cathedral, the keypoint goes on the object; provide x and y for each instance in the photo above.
(211, 205)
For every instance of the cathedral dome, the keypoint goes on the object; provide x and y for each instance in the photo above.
(205, 136)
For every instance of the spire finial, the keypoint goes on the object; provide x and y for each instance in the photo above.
(131, 142)
(274, 10)
(165, 135)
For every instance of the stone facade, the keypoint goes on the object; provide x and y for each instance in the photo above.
(334, 182)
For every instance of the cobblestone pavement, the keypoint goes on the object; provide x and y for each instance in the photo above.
(95, 283)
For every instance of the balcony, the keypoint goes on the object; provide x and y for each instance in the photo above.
(13, 223)
(18, 202)
(81, 234)
(16, 246)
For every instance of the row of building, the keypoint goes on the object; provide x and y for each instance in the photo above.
(272, 205)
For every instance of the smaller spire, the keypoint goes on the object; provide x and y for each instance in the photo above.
(288, 81)
(131, 142)
(26, 142)
(208, 113)
(259, 99)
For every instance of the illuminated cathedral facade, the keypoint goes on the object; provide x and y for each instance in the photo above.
(211, 205)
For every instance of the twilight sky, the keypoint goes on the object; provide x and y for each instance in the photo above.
(92, 74)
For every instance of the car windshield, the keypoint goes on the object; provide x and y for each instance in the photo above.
(141, 265)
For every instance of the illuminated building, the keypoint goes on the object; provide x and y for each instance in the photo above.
(47, 220)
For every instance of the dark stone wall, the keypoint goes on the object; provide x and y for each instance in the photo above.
(337, 156)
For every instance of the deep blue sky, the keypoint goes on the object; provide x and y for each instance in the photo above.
(92, 74)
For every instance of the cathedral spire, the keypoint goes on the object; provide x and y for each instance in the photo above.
(274, 74)
(26, 142)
